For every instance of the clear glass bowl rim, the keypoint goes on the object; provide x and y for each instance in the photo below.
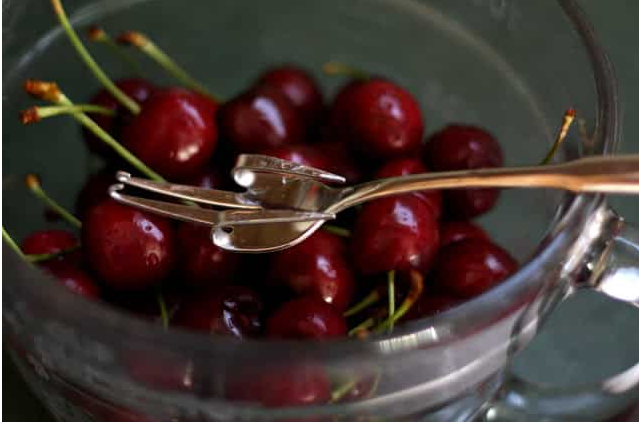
(109, 322)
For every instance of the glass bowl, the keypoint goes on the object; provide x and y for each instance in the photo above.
(512, 67)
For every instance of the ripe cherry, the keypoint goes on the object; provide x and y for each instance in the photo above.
(382, 120)
(306, 155)
(201, 262)
(175, 133)
(406, 166)
(160, 370)
(337, 127)
(470, 267)
(74, 279)
(260, 119)
(51, 242)
(128, 248)
(458, 147)
(280, 386)
(229, 310)
(299, 87)
(138, 89)
(395, 233)
(307, 317)
(454, 231)
(317, 266)
(94, 191)
(145, 304)
(341, 161)
(209, 178)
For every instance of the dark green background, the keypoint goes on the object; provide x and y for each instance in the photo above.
(618, 30)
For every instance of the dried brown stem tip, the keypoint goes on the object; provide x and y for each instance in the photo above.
(43, 90)
(29, 116)
(95, 33)
(32, 181)
(133, 38)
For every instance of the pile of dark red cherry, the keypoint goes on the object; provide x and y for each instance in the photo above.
(425, 243)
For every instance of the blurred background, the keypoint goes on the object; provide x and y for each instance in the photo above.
(616, 27)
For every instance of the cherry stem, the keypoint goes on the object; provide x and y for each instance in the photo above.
(37, 113)
(13, 245)
(164, 314)
(99, 35)
(370, 299)
(33, 183)
(333, 68)
(416, 288)
(568, 118)
(363, 326)
(339, 231)
(342, 390)
(119, 95)
(391, 298)
(42, 257)
(49, 91)
(148, 47)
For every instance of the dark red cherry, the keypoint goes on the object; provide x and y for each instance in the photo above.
(338, 128)
(459, 147)
(429, 304)
(395, 233)
(50, 242)
(406, 166)
(228, 310)
(94, 191)
(260, 119)
(145, 304)
(160, 369)
(136, 88)
(306, 155)
(318, 266)
(175, 133)
(202, 263)
(299, 87)
(128, 249)
(280, 386)
(209, 178)
(74, 279)
(470, 267)
(383, 120)
(341, 161)
(454, 231)
(308, 318)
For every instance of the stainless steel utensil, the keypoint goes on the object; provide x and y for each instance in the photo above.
(284, 203)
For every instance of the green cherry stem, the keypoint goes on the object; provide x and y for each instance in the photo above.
(164, 314)
(42, 257)
(13, 245)
(99, 35)
(37, 113)
(342, 391)
(364, 325)
(568, 118)
(49, 91)
(333, 68)
(33, 183)
(148, 47)
(370, 299)
(416, 288)
(339, 231)
(391, 298)
(124, 99)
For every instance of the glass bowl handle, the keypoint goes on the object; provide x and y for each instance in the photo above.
(613, 271)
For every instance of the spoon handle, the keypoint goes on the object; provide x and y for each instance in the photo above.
(614, 174)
